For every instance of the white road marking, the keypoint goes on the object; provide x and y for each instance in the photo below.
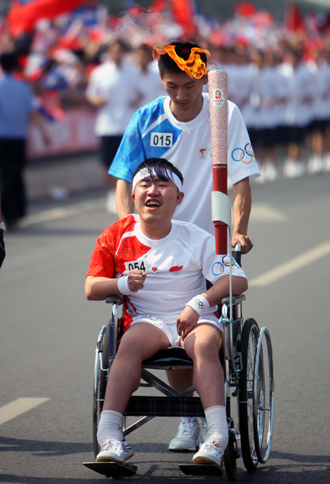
(291, 266)
(59, 213)
(17, 407)
(265, 213)
(260, 212)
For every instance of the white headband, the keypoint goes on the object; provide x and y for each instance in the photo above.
(148, 172)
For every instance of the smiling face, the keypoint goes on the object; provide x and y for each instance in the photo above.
(155, 201)
(185, 93)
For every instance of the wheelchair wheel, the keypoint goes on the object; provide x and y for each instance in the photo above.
(250, 335)
(100, 380)
(263, 405)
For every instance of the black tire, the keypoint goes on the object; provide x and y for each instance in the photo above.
(264, 397)
(250, 336)
(100, 384)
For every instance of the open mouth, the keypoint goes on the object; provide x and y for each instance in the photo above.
(152, 203)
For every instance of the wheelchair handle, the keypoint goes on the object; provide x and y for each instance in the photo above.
(236, 253)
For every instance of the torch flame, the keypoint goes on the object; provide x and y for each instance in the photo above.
(194, 66)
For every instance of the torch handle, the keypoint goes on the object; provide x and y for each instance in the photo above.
(218, 95)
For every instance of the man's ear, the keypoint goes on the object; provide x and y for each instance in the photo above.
(179, 198)
(133, 196)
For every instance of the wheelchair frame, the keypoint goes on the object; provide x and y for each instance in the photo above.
(249, 378)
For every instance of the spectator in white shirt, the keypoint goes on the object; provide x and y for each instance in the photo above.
(112, 88)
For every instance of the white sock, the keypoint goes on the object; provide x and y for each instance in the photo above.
(109, 426)
(217, 428)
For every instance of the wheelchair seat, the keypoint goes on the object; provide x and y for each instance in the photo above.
(172, 358)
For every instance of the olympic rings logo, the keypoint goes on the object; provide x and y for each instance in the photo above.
(199, 304)
(150, 317)
(219, 268)
(238, 154)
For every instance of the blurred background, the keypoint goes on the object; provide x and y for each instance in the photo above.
(55, 203)
(276, 55)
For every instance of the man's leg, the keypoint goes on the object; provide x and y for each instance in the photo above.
(202, 346)
(140, 341)
(188, 435)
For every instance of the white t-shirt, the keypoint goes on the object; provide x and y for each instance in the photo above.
(155, 132)
(120, 88)
(301, 84)
(149, 85)
(177, 266)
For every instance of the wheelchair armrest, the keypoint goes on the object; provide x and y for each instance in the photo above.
(115, 299)
(235, 299)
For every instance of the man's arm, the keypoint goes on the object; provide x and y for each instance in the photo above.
(99, 288)
(242, 201)
(39, 121)
(124, 202)
(96, 100)
(188, 319)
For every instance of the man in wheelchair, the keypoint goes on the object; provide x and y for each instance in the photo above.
(161, 266)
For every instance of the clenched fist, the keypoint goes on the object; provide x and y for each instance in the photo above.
(136, 280)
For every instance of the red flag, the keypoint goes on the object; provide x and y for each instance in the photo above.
(23, 17)
(245, 9)
(183, 14)
(293, 19)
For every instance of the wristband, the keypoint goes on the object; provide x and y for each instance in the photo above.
(123, 286)
(199, 304)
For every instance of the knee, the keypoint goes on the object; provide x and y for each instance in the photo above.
(205, 349)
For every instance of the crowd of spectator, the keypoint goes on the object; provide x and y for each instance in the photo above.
(279, 79)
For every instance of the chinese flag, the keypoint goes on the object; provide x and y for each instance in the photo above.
(294, 20)
(183, 13)
(23, 17)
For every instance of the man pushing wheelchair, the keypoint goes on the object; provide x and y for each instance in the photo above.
(161, 267)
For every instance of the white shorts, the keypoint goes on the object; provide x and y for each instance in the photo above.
(169, 328)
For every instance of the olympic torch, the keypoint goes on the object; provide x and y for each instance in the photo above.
(218, 96)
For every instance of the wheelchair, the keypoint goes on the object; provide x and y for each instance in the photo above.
(247, 361)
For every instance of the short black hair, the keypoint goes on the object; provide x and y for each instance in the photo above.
(8, 61)
(183, 49)
(162, 167)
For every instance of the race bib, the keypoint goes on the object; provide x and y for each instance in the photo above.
(135, 264)
(161, 140)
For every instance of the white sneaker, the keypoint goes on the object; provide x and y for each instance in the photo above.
(293, 169)
(115, 451)
(209, 453)
(314, 165)
(326, 162)
(187, 437)
(271, 172)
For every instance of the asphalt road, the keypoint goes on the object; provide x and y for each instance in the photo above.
(49, 330)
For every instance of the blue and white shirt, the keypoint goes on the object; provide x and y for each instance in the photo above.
(155, 132)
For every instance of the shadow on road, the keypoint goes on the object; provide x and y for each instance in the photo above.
(281, 468)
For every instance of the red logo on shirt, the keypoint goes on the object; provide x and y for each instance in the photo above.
(176, 269)
(154, 269)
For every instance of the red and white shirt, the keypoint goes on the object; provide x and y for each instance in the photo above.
(177, 266)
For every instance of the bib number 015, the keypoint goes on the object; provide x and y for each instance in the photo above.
(162, 140)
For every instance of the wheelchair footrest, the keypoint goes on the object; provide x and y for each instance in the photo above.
(201, 469)
(112, 469)
(164, 407)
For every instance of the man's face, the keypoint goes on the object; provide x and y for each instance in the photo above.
(155, 200)
(117, 53)
(185, 93)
